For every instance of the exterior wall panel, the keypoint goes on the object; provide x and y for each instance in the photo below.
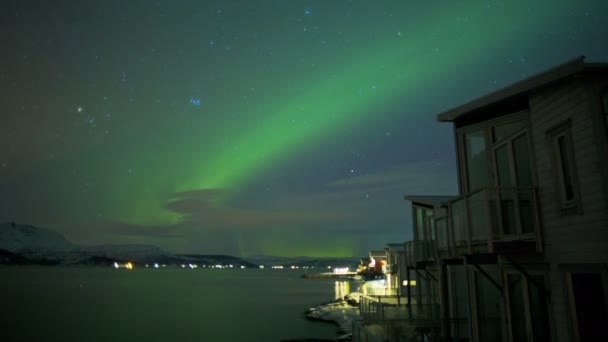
(570, 237)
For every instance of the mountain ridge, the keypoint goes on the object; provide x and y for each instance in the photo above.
(28, 244)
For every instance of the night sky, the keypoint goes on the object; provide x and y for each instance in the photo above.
(254, 127)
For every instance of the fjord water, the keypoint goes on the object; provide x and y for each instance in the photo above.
(167, 304)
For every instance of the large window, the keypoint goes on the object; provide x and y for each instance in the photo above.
(503, 142)
(424, 219)
(588, 306)
(476, 160)
(527, 307)
(488, 304)
(563, 160)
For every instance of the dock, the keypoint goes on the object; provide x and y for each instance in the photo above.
(329, 275)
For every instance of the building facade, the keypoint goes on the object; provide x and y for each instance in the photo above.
(522, 253)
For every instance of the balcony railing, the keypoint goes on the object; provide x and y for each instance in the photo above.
(397, 308)
(480, 221)
(379, 291)
(419, 251)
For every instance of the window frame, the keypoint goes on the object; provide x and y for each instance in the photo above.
(567, 271)
(487, 127)
(526, 282)
(565, 205)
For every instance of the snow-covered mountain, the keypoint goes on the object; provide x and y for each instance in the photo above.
(18, 238)
(46, 246)
(28, 244)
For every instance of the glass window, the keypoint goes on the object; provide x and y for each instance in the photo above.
(591, 312)
(488, 299)
(430, 224)
(564, 165)
(476, 160)
(516, 307)
(503, 131)
(420, 223)
(521, 154)
(502, 166)
(539, 312)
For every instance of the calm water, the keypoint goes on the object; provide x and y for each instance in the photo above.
(104, 304)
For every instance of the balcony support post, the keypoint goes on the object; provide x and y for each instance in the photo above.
(450, 231)
(409, 293)
(489, 221)
(466, 227)
(537, 227)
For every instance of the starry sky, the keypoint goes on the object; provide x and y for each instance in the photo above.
(254, 127)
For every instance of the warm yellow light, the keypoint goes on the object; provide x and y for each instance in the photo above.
(129, 265)
(411, 283)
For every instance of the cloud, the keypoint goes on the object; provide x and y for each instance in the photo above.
(344, 203)
(424, 177)
(203, 207)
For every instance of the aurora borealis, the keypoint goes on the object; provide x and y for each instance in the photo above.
(254, 127)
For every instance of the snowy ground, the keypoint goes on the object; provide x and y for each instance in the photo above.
(341, 312)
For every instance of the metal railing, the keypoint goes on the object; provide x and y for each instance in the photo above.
(397, 308)
(379, 291)
(487, 216)
(419, 251)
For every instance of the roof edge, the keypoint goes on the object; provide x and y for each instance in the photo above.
(538, 80)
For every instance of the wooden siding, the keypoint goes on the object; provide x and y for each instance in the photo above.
(570, 237)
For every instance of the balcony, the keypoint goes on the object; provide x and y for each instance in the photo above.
(490, 220)
(379, 309)
(419, 252)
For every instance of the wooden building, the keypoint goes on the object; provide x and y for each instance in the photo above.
(522, 253)
(528, 235)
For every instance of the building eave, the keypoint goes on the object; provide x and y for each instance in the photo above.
(519, 88)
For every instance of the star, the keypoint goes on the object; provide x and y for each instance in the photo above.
(195, 101)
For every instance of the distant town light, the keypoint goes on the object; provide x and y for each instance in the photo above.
(343, 270)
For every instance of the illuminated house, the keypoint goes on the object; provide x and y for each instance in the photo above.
(395, 268)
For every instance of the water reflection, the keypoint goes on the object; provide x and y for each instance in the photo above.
(341, 289)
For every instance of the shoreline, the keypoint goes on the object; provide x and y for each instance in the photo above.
(340, 312)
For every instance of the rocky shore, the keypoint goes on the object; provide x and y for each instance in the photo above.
(341, 312)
